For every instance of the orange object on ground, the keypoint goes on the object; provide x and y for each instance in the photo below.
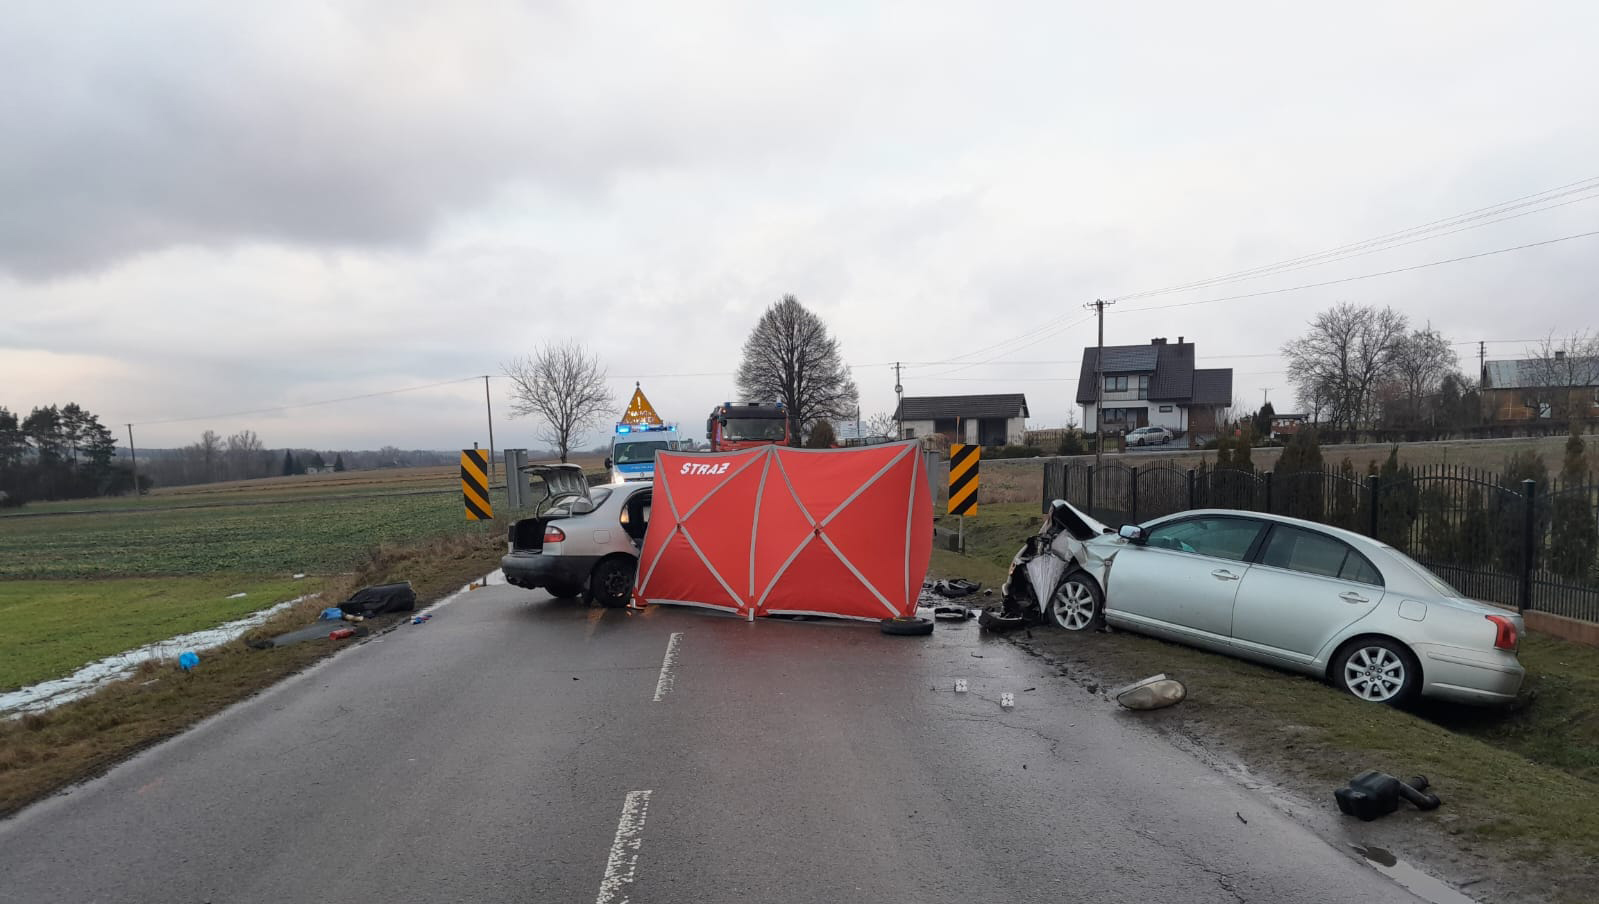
(781, 531)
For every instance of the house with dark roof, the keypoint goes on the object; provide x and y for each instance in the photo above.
(988, 420)
(1528, 389)
(1154, 385)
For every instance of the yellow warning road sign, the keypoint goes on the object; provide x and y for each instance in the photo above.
(475, 484)
(963, 461)
(640, 411)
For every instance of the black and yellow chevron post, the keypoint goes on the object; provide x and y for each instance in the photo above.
(475, 484)
(963, 461)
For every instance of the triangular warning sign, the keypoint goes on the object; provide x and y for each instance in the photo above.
(640, 412)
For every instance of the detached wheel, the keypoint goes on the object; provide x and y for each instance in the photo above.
(1078, 605)
(906, 625)
(611, 584)
(563, 591)
(1377, 670)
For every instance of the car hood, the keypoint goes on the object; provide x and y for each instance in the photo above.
(1080, 540)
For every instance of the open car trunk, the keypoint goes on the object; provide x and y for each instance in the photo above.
(553, 484)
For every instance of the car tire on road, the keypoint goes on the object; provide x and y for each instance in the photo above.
(906, 625)
(611, 584)
(564, 591)
(1078, 604)
(1377, 670)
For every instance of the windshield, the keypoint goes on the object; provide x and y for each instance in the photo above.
(754, 429)
(1437, 583)
(638, 453)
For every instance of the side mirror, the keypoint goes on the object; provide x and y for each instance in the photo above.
(1132, 533)
(609, 463)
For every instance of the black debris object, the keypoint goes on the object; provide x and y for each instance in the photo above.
(1241, 817)
(956, 587)
(906, 625)
(381, 598)
(994, 620)
(951, 613)
(1372, 794)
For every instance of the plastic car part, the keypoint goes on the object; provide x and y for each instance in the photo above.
(951, 613)
(906, 625)
(997, 621)
(1154, 692)
(1372, 794)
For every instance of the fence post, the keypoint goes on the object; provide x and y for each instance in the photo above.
(1193, 479)
(1269, 509)
(1371, 505)
(1089, 508)
(1529, 524)
(1133, 516)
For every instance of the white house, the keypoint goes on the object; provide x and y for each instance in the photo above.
(1154, 385)
(987, 420)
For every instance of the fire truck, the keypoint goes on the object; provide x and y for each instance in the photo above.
(731, 427)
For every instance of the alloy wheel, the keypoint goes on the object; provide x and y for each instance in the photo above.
(1374, 673)
(1074, 607)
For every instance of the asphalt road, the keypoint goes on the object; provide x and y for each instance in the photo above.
(514, 749)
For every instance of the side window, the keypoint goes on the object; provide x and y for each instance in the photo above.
(1304, 551)
(1224, 538)
(1358, 568)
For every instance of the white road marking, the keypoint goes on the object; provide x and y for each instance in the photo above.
(1007, 700)
(668, 663)
(619, 869)
(960, 685)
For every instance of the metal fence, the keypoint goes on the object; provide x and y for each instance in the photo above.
(1518, 542)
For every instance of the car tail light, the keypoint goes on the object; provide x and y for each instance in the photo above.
(1507, 636)
(553, 534)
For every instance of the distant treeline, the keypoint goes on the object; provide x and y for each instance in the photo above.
(64, 452)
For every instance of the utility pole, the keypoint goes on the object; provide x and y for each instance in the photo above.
(1099, 385)
(1482, 365)
(489, 407)
(899, 404)
(134, 452)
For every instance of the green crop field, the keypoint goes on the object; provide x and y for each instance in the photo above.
(315, 536)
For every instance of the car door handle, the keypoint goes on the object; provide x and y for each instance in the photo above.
(1223, 574)
(1351, 596)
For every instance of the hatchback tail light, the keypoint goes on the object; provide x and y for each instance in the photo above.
(1507, 637)
(553, 534)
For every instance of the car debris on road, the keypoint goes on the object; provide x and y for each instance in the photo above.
(1372, 794)
(1154, 692)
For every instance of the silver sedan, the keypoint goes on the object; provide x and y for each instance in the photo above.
(1289, 593)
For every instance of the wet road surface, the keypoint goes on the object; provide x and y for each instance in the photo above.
(517, 748)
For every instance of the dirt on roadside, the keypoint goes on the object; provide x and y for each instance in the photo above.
(1509, 831)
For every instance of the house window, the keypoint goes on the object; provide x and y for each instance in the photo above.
(1165, 409)
(1115, 384)
(1143, 387)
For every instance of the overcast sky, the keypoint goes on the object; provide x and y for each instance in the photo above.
(212, 207)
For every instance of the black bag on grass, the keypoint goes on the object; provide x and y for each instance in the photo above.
(381, 598)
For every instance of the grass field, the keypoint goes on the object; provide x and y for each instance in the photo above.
(1527, 778)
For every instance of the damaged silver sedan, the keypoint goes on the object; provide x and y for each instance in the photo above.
(1277, 590)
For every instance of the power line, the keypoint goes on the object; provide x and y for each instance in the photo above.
(275, 408)
(1560, 191)
(1349, 279)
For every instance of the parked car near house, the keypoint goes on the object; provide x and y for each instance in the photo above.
(1149, 436)
(582, 540)
(1282, 591)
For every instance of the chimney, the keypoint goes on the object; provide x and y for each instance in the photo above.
(1179, 340)
(1560, 356)
(1160, 341)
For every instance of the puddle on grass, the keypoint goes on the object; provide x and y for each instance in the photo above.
(50, 694)
(1413, 880)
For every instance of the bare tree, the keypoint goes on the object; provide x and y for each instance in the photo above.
(790, 358)
(563, 386)
(1421, 361)
(1562, 365)
(206, 455)
(880, 424)
(246, 457)
(1348, 350)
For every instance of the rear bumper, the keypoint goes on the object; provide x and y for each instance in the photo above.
(1470, 676)
(534, 570)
